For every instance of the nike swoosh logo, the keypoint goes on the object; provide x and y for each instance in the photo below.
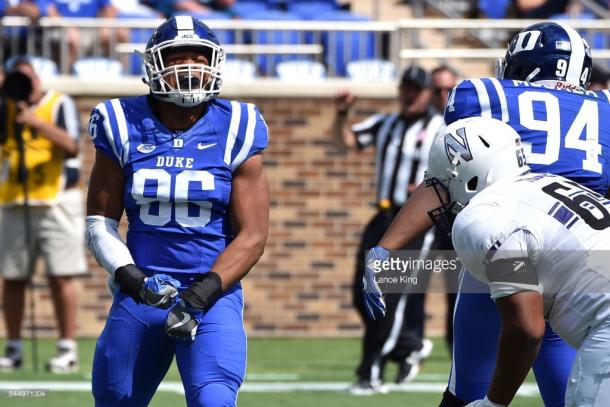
(202, 146)
(185, 318)
(519, 265)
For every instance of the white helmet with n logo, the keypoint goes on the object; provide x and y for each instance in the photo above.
(469, 155)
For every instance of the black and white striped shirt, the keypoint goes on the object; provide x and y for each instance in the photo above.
(402, 151)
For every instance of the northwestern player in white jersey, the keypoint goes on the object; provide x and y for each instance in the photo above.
(540, 242)
(541, 93)
(188, 171)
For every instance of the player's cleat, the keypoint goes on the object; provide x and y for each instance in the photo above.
(367, 388)
(11, 361)
(66, 361)
(410, 367)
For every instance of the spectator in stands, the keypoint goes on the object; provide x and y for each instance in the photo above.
(47, 124)
(20, 8)
(23, 8)
(539, 8)
(81, 38)
(197, 7)
(402, 140)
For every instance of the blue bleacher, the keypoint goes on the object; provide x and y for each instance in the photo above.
(361, 44)
(266, 63)
(244, 8)
(309, 10)
(494, 8)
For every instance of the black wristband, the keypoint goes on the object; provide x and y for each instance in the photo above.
(204, 291)
(130, 280)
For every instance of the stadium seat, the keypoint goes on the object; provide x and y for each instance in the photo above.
(98, 69)
(266, 63)
(300, 70)
(45, 68)
(308, 10)
(238, 70)
(244, 8)
(343, 46)
(371, 70)
(494, 8)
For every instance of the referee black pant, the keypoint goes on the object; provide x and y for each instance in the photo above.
(400, 332)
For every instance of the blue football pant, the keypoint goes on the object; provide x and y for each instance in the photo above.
(476, 329)
(133, 355)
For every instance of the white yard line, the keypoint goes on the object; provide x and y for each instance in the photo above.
(528, 389)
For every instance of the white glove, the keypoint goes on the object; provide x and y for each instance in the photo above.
(484, 403)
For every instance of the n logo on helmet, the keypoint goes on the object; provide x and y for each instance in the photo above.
(457, 145)
(525, 41)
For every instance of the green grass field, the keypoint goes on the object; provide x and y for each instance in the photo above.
(270, 360)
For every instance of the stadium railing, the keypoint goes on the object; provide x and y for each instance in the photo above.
(333, 43)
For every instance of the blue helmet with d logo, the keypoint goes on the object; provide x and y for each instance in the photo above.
(185, 84)
(548, 52)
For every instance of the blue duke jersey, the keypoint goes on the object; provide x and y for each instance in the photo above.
(564, 132)
(177, 184)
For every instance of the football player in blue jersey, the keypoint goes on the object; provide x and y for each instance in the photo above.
(541, 93)
(187, 169)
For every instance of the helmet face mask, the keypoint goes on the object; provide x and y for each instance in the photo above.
(547, 52)
(184, 84)
(443, 215)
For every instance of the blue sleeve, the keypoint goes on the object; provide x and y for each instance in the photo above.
(101, 131)
(252, 135)
(463, 102)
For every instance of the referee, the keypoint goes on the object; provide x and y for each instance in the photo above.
(402, 140)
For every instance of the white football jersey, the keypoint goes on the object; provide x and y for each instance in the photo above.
(544, 233)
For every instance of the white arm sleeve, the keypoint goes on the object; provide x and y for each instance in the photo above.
(105, 243)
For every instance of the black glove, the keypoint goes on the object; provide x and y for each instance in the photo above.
(181, 322)
(159, 290)
(183, 319)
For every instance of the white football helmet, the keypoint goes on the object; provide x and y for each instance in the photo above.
(466, 157)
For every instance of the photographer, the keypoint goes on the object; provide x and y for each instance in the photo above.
(40, 207)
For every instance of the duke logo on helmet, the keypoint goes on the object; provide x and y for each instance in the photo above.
(188, 84)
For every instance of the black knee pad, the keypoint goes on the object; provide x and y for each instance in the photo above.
(450, 400)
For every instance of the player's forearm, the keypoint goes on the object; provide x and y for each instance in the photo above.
(517, 351)
(240, 256)
(412, 220)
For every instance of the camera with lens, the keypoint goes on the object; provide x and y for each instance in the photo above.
(16, 86)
